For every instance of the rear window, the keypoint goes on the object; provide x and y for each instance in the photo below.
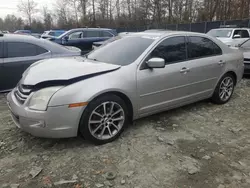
(91, 34)
(121, 52)
(22, 49)
(222, 33)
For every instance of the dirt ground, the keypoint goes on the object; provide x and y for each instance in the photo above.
(197, 146)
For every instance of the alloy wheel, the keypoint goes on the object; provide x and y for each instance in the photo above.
(226, 88)
(106, 120)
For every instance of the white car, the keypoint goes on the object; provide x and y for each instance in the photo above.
(231, 36)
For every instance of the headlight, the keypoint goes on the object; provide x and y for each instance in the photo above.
(40, 99)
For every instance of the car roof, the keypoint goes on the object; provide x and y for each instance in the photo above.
(18, 36)
(51, 46)
(159, 34)
(90, 29)
(226, 28)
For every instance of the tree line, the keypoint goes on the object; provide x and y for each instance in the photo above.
(67, 14)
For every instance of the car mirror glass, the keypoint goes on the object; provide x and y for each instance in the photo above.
(237, 36)
(156, 63)
(66, 38)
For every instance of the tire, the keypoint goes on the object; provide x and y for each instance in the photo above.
(218, 97)
(94, 119)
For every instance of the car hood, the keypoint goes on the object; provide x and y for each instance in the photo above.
(225, 40)
(64, 70)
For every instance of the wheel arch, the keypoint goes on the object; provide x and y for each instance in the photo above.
(233, 74)
(124, 97)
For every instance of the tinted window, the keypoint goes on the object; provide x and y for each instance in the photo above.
(52, 33)
(171, 50)
(237, 32)
(202, 47)
(1, 49)
(244, 34)
(91, 33)
(76, 35)
(107, 34)
(21, 49)
(122, 51)
(40, 50)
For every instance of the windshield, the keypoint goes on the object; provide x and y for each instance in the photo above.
(223, 33)
(246, 44)
(121, 52)
(58, 33)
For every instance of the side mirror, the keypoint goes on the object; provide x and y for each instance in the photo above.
(156, 63)
(236, 36)
(66, 38)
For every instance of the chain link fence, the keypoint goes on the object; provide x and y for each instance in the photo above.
(202, 27)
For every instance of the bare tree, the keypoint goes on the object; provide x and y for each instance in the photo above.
(28, 8)
(47, 18)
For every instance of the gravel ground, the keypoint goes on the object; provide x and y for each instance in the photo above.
(200, 145)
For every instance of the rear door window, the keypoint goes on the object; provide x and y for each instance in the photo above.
(22, 49)
(91, 34)
(244, 34)
(199, 47)
(107, 34)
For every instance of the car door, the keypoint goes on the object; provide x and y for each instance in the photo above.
(206, 63)
(162, 88)
(73, 39)
(19, 56)
(90, 36)
(105, 35)
(244, 35)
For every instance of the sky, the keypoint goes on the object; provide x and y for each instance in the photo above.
(10, 6)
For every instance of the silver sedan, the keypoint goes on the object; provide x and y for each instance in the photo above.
(133, 77)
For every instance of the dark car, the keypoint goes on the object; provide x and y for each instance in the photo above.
(83, 38)
(18, 52)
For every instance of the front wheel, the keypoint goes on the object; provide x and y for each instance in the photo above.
(104, 119)
(224, 89)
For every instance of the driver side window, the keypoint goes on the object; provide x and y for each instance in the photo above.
(76, 35)
(172, 50)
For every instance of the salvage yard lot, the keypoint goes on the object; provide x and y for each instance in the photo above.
(200, 145)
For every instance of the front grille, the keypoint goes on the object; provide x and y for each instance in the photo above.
(21, 93)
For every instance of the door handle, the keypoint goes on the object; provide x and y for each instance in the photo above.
(221, 62)
(184, 70)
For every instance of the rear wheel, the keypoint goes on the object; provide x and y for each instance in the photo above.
(224, 89)
(104, 119)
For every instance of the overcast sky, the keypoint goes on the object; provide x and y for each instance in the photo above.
(10, 6)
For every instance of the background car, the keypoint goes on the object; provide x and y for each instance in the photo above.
(27, 32)
(52, 33)
(83, 38)
(18, 52)
(129, 78)
(245, 48)
(37, 35)
(231, 36)
(120, 35)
